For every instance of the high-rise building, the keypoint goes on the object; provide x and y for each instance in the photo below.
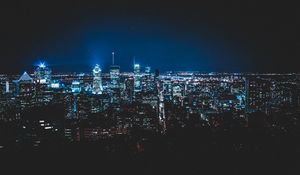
(129, 89)
(114, 76)
(43, 74)
(75, 87)
(97, 81)
(83, 105)
(148, 83)
(7, 87)
(114, 73)
(70, 106)
(167, 88)
(137, 78)
(25, 85)
(25, 90)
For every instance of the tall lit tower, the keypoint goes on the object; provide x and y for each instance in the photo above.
(43, 74)
(7, 87)
(137, 78)
(97, 82)
(114, 73)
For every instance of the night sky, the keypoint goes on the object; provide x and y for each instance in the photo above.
(232, 36)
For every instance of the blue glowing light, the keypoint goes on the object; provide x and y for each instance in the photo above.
(42, 65)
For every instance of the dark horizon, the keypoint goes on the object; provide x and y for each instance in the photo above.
(221, 36)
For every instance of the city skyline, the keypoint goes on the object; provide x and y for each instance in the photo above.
(149, 87)
(42, 63)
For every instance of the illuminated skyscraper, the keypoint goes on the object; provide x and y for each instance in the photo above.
(76, 88)
(97, 82)
(7, 87)
(25, 85)
(161, 109)
(114, 73)
(43, 74)
(137, 78)
(25, 90)
(148, 80)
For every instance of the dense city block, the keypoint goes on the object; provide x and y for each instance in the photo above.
(145, 112)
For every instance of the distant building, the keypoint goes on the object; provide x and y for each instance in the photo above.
(97, 81)
(147, 70)
(96, 104)
(7, 87)
(257, 94)
(25, 85)
(157, 73)
(25, 90)
(137, 78)
(83, 106)
(75, 87)
(129, 89)
(43, 74)
(114, 73)
(70, 106)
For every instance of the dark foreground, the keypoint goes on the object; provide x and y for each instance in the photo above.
(178, 152)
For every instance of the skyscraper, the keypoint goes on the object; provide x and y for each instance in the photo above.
(25, 90)
(76, 87)
(97, 81)
(114, 74)
(7, 87)
(148, 80)
(43, 74)
(25, 85)
(137, 78)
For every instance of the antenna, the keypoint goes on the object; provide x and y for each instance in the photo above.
(133, 60)
(113, 58)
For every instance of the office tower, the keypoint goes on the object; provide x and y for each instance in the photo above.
(75, 87)
(25, 90)
(43, 74)
(161, 112)
(148, 83)
(7, 87)
(97, 81)
(167, 88)
(114, 73)
(83, 105)
(25, 85)
(137, 78)
(70, 106)
(129, 89)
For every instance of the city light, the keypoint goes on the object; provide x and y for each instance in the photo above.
(42, 65)
(149, 87)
